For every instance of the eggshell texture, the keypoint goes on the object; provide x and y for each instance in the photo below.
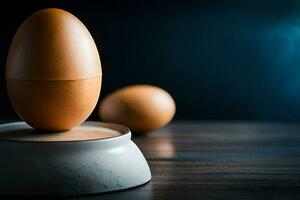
(54, 105)
(53, 71)
(143, 108)
(52, 44)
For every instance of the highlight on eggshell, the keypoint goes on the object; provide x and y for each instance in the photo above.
(142, 108)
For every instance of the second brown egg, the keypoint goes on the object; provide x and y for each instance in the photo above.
(142, 108)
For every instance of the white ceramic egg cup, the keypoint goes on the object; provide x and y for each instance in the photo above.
(70, 167)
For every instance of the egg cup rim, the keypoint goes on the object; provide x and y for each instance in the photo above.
(125, 134)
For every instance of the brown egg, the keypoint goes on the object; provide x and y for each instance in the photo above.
(53, 71)
(143, 108)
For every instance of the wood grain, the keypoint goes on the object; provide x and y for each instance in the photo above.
(219, 160)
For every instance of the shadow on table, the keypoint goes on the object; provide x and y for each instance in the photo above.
(140, 192)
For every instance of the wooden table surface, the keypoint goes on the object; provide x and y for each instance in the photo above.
(213, 160)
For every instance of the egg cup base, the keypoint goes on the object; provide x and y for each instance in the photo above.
(64, 168)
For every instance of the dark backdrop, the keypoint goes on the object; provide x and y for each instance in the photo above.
(218, 59)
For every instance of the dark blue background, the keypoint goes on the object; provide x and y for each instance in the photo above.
(218, 59)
